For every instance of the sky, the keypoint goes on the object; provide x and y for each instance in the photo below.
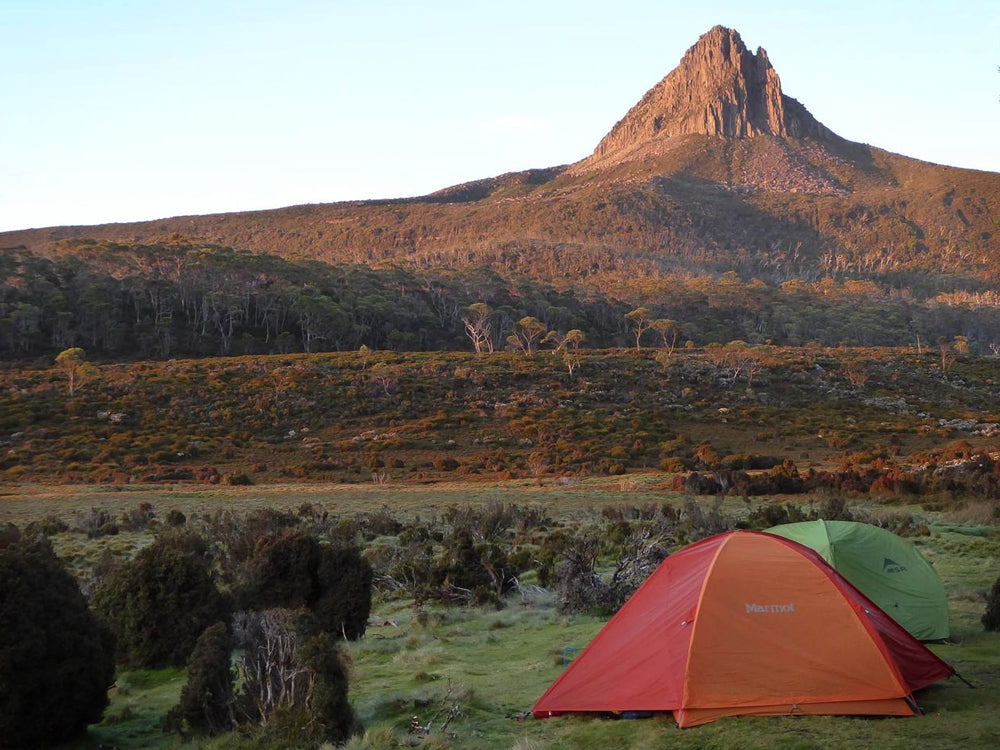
(114, 111)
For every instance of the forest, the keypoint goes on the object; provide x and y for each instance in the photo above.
(183, 299)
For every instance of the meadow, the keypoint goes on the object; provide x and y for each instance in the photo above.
(467, 676)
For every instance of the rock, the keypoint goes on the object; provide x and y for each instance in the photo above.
(719, 88)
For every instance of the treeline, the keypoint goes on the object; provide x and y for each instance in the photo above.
(175, 299)
(178, 299)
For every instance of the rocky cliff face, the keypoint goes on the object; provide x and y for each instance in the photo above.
(720, 88)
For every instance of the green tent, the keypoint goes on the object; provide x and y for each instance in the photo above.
(886, 568)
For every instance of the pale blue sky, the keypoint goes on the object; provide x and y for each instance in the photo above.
(122, 111)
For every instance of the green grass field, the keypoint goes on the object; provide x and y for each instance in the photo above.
(470, 676)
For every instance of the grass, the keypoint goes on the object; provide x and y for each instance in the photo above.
(493, 674)
(488, 667)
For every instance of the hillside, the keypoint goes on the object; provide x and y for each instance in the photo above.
(863, 414)
(716, 170)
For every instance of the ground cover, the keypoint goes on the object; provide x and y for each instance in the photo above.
(466, 676)
(363, 417)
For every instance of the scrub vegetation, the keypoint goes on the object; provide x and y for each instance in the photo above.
(421, 541)
(751, 419)
(473, 615)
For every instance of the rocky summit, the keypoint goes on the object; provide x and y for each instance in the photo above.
(719, 88)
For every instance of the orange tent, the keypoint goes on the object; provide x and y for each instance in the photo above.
(746, 623)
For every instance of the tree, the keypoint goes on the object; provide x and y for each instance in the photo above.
(571, 356)
(639, 320)
(478, 326)
(56, 657)
(528, 329)
(73, 362)
(574, 337)
(569, 340)
(947, 355)
(158, 604)
(669, 330)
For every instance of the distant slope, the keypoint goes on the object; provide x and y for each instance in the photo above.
(714, 170)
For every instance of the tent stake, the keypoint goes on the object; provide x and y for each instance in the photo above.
(965, 681)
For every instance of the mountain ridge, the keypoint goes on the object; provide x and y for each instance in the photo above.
(715, 169)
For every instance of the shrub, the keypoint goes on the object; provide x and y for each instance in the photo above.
(48, 526)
(99, 522)
(991, 617)
(295, 688)
(380, 523)
(206, 705)
(158, 604)
(835, 509)
(239, 537)
(138, 519)
(9, 534)
(776, 514)
(294, 570)
(280, 573)
(579, 587)
(696, 523)
(56, 657)
(330, 707)
(473, 573)
(344, 597)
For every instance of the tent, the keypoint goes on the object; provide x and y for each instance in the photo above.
(746, 623)
(887, 568)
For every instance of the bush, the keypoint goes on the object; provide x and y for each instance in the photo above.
(295, 571)
(239, 537)
(56, 657)
(9, 534)
(207, 704)
(99, 522)
(991, 617)
(330, 708)
(344, 598)
(294, 687)
(775, 514)
(579, 587)
(138, 519)
(158, 604)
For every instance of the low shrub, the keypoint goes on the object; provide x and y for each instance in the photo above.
(991, 617)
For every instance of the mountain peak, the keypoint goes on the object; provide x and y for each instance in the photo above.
(719, 88)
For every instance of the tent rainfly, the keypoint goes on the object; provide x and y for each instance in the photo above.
(746, 623)
(887, 568)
